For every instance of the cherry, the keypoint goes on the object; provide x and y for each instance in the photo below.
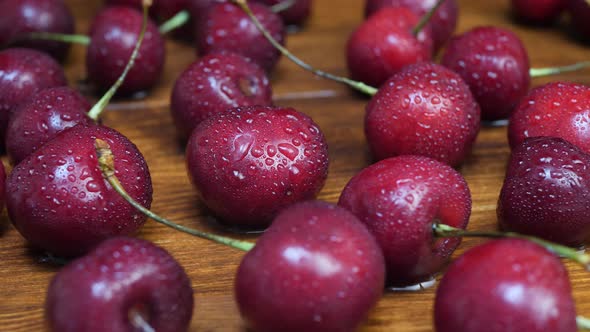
(384, 44)
(539, 12)
(505, 285)
(20, 17)
(248, 163)
(228, 28)
(213, 84)
(555, 109)
(444, 20)
(160, 10)
(24, 72)
(295, 14)
(124, 284)
(2, 186)
(106, 56)
(58, 200)
(399, 199)
(495, 65)
(424, 109)
(546, 191)
(579, 12)
(316, 268)
(40, 118)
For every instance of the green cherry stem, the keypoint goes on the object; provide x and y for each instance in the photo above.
(583, 323)
(369, 90)
(540, 72)
(175, 22)
(106, 163)
(61, 37)
(426, 18)
(282, 6)
(100, 106)
(442, 230)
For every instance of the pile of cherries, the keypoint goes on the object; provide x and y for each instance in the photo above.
(79, 188)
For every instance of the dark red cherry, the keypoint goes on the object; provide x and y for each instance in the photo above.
(538, 11)
(556, 109)
(24, 72)
(216, 83)
(249, 163)
(2, 186)
(316, 268)
(20, 17)
(118, 284)
(495, 65)
(107, 56)
(59, 201)
(505, 285)
(579, 12)
(399, 199)
(43, 116)
(384, 44)
(425, 109)
(442, 23)
(546, 192)
(227, 28)
(296, 14)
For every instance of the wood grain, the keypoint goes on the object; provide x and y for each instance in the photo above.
(338, 111)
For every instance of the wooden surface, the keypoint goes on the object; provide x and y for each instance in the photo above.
(338, 111)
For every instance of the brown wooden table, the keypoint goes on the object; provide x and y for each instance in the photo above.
(338, 111)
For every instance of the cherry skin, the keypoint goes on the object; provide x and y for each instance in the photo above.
(42, 117)
(399, 199)
(216, 83)
(249, 163)
(538, 11)
(226, 28)
(579, 12)
(106, 56)
(557, 109)
(442, 23)
(120, 278)
(384, 44)
(505, 285)
(546, 192)
(294, 15)
(24, 72)
(425, 110)
(20, 17)
(59, 201)
(2, 186)
(316, 268)
(495, 65)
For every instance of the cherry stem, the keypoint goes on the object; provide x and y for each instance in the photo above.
(100, 106)
(362, 87)
(139, 322)
(106, 162)
(60, 37)
(282, 6)
(426, 18)
(583, 323)
(175, 22)
(540, 72)
(442, 230)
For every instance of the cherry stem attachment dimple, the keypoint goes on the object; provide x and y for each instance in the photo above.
(60, 37)
(106, 162)
(426, 18)
(175, 22)
(442, 230)
(540, 72)
(99, 107)
(362, 87)
(282, 6)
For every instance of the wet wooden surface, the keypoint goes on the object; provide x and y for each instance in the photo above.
(338, 111)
